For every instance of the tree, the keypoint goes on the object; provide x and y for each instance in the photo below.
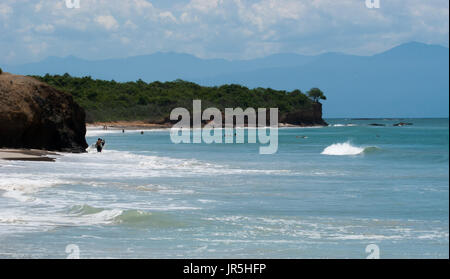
(112, 101)
(316, 94)
(1, 71)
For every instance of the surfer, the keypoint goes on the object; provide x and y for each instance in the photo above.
(100, 144)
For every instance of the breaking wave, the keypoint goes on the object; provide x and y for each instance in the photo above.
(346, 148)
(344, 125)
(130, 217)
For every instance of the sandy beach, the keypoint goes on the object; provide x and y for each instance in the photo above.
(26, 155)
(137, 125)
(128, 125)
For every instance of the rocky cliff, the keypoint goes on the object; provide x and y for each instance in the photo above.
(306, 117)
(35, 115)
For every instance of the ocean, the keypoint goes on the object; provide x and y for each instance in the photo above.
(328, 192)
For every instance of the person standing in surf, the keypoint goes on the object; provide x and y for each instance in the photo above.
(100, 144)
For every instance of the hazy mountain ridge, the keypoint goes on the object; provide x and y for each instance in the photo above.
(410, 80)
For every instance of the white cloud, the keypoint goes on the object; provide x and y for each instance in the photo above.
(131, 25)
(188, 18)
(142, 4)
(108, 22)
(45, 28)
(204, 5)
(5, 10)
(37, 48)
(125, 40)
(38, 7)
(168, 16)
(216, 28)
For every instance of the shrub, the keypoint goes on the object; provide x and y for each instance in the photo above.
(111, 101)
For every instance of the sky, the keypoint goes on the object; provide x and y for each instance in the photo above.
(31, 30)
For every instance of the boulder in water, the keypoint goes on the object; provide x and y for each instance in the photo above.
(402, 124)
(34, 115)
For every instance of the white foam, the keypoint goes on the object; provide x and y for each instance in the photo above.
(103, 217)
(20, 187)
(345, 148)
(207, 201)
(131, 165)
(21, 180)
(343, 125)
(35, 221)
(18, 195)
(366, 237)
(26, 183)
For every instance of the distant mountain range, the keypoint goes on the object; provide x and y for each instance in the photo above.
(410, 80)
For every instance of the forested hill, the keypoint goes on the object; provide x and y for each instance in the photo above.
(153, 102)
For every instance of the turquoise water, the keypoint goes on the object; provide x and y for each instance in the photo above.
(327, 193)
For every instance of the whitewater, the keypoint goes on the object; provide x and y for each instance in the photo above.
(327, 193)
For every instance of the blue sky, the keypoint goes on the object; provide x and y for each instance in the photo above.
(31, 30)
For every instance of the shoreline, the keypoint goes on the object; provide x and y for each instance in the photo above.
(26, 155)
(128, 125)
(137, 125)
(37, 155)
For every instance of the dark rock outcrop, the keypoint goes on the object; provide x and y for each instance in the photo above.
(34, 115)
(402, 124)
(310, 116)
(305, 117)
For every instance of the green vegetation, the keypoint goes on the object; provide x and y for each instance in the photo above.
(153, 102)
(1, 71)
(316, 94)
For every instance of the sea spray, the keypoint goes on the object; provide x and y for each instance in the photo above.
(131, 217)
(346, 148)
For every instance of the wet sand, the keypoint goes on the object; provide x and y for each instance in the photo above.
(26, 155)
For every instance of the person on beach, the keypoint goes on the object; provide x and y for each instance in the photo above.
(100, 144)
